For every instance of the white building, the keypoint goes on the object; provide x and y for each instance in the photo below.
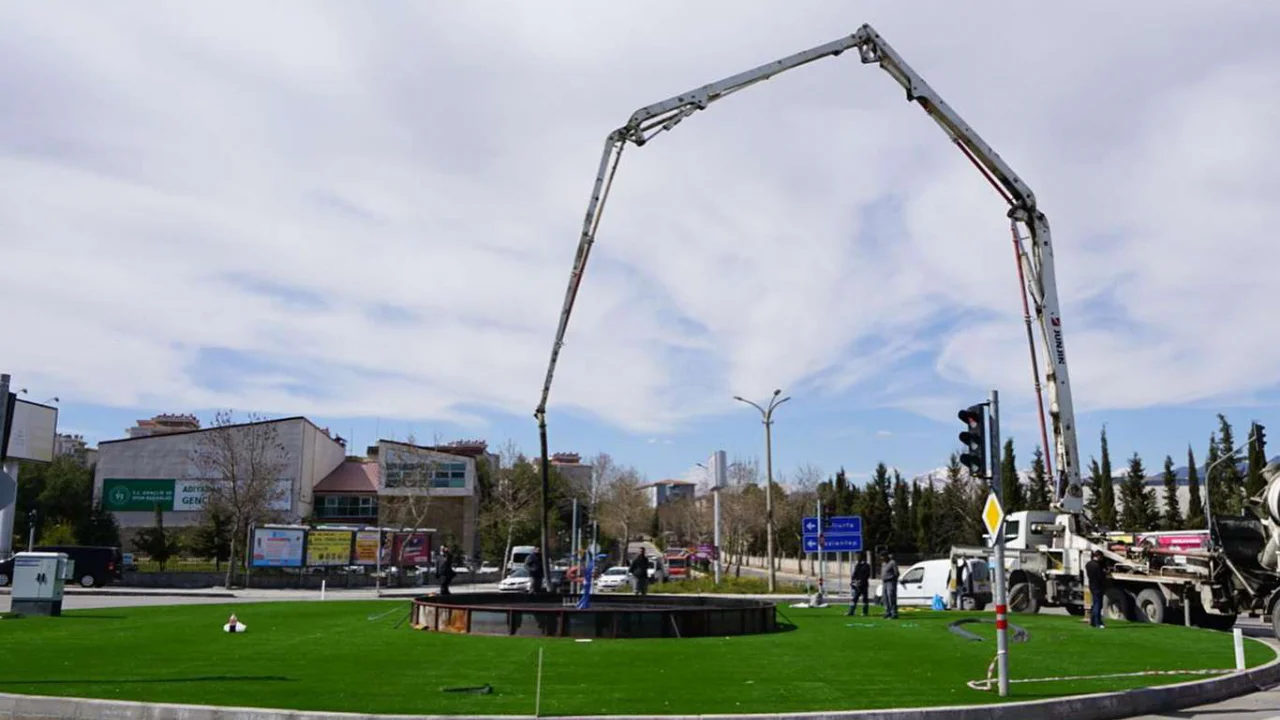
(441, 480)
(135, 474)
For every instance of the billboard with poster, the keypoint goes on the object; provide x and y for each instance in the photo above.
(411, 549)
(32, 431)
(367, 543)
(277, 547)
(328, 548)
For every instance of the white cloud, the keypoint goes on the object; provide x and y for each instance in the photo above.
(421, 176)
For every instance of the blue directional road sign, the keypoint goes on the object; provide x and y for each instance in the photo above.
(840, 533)
(834, 543)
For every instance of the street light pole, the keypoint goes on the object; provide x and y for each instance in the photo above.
(766, 417)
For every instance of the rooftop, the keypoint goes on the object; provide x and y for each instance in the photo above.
(352, 476)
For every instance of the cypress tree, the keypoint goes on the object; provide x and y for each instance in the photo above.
(1172, 518)
(1195, 501)
(1038, 492)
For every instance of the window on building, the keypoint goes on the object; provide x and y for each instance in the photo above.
(442, 475)
(347, 506)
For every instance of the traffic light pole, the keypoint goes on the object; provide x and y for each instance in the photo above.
(1002, 609)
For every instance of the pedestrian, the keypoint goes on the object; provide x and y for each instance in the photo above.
(1093, 572)
(889, 584)
(533, 564)
(640, 571)
(444, 570)
(859, 583)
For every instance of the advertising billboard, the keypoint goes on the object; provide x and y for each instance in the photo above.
(367, 544)
(277, 547)
(328, 547)
(411, 549)
(32, 432)
(131, 494)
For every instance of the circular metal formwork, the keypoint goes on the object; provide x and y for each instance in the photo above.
(622, 616)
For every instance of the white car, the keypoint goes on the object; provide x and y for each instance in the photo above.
(518, 581)
(613, 578)
(488, 567)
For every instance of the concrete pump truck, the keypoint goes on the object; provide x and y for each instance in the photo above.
(1236, 573)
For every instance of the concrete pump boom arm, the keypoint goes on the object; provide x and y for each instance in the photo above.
(1037, 259)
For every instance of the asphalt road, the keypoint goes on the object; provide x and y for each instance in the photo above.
(1261, 705)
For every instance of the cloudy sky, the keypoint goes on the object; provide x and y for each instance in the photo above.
(366, 213)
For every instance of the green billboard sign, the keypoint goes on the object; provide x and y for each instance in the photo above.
(123, 494)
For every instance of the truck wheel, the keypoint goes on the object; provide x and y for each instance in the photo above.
(1022, 599)
(4, 579)
(1151, 607)
(1076, 610)
(1117, 604)
(1221, 623)
(87, 581)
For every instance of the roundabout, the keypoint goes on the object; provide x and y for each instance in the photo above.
(362, 656)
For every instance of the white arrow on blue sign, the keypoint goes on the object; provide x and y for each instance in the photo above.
(833, 543)
(845, 524)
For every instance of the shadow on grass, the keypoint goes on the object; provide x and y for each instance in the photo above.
(135, 681)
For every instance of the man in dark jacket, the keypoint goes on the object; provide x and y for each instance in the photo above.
(444, 570)
(889, 584)
(858, 585)
(1097, 580)
(533, 564)
(640, 571)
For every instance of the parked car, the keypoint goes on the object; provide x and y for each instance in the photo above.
(518, 580)
(613, 578)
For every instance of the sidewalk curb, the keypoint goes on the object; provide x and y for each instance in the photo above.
(138, 593)
(1099, 706)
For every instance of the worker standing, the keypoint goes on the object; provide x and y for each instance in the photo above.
(858, 583)
(640, 571)
(1093, 572)
(533, 564)
(889, 584)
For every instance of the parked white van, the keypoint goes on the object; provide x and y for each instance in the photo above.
(519, 554)
(918, 585)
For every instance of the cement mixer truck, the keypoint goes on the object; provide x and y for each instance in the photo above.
(1236, 572)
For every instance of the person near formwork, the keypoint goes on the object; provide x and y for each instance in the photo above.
(444, 570)
(859, 585)
(1097, 587)
(889, 584)
(640, 571)
(533, 564)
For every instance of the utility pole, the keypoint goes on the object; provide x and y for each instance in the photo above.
(719, 473)
(8, 474)
(766, 417)
(1002, 609)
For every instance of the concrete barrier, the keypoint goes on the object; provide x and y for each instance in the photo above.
(1099, 706)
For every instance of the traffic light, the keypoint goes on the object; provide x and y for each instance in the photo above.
(974, 439)
(1260, 441)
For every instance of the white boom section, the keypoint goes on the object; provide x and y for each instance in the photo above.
(1037, 259)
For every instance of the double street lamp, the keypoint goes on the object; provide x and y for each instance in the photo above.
(766, 417)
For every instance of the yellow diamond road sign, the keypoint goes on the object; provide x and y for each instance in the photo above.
(992, 516)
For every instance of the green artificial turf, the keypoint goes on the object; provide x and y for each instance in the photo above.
(332, 656)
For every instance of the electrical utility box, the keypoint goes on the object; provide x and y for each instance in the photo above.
(38, 578)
